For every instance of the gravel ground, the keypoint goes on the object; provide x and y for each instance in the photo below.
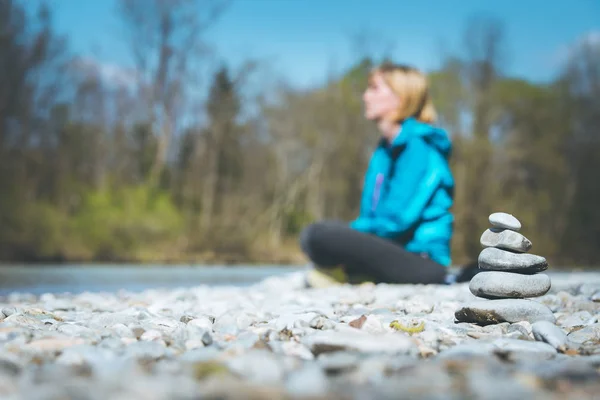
(277, 339)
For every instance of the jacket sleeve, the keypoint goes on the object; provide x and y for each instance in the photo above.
(413, 184)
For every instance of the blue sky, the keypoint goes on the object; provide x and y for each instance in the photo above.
(304, 39)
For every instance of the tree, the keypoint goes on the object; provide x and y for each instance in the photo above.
(167, 48)
(580, 95)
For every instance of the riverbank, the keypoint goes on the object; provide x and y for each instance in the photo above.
(277, 339)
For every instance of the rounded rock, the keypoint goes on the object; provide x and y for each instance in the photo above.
(526, 349)
(493, 259)
(504, 221)
(499, 285)
(505, 239)
(487, 312)
(544, 331)
(590, 333)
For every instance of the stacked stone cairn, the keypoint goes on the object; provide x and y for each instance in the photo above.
(508, 279)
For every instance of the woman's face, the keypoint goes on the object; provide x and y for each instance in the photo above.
(380, 100)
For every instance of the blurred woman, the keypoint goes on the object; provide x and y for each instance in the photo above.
(404, 229)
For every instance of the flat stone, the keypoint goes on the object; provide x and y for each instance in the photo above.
(590, 333)
(337, 362)
(8, 311)
(308, 381)
(505, 239)
(146, 351)
(517, 331)
(52, 344)
(320, 322)
(258, 366)
(526, 348)
(24, 321)
(493, 259)
(504, 221)
(526, 325)
(487, 312)
(468, 350)
(331, 341)
(576, 320)
(75, 330)
(569, 369)
(499, 285)
(544, 331)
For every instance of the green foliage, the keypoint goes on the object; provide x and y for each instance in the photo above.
(32, 231)
(117, 224)
(296, 220)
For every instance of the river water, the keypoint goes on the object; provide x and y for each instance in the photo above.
(38, 279)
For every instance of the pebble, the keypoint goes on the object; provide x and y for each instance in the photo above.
(504, 221)
(526, 325)
(526, 349)
(8, 311)
(576, 320)
(497, 285)
(320, 322)
(486, 312)
(493, 259)
(309, 381)
(337, 362)
(258, 366)
(505, 239)
(517, 331)
(548, 332)
(331, 341)
(468, 350)
(590, 333)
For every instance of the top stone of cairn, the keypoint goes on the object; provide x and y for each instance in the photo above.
(504, 221)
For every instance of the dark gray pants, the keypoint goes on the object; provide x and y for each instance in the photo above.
(331, 244)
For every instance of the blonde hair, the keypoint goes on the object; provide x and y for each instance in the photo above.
(412, 87)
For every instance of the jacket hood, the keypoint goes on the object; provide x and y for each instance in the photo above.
(436, 137)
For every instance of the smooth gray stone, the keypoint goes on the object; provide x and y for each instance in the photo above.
(24, 321)
(596, 297)
(487, 312)
(493, 259)
(590, 333)
(320, 322)
(517, 331)
(332, 341)
(569, 369)
(75, 330)
(504, 221)
(576, 320)
(526, 348)
(258, 366)
(147, 351)
(544, 331)
(502, 285)
(589, 288)
(340, 361)
(468, 350)
(505, 239)
(8, 311)
(309, 381)
(593, 360)
(200, 355)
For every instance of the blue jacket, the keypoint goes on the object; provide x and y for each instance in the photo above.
(408, 200)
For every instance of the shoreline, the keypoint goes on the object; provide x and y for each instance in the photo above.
(277, 339)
